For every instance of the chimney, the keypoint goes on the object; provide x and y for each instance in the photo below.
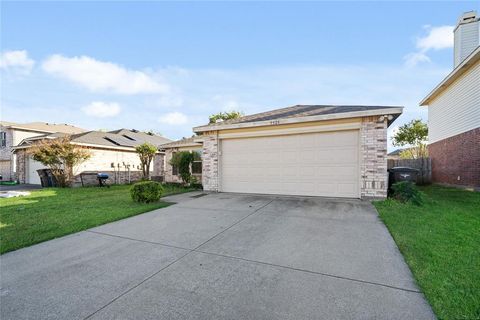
(466, 35)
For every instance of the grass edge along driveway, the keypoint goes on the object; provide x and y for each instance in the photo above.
(441, 243)
(54, 212)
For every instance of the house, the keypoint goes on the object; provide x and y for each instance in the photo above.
(11, 134)
(395, 154)
(308, 150)
(111, 152)
(186, 144)
(454, 112)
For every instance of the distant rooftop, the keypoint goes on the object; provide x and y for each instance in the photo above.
(185, 142)
(44, 127)
(118, 138)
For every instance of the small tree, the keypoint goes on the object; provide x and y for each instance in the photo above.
(415, 135)
(61, 156)
(183, 160)
(146, 153)
(225, 116)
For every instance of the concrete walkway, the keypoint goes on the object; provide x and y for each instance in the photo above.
(219, 256)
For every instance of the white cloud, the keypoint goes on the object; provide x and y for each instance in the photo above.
(99, 76)
(414, 58)
(100, 109)
(17, 59)
(437, 38)
(173, 118)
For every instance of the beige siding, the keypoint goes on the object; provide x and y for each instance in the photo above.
(101, 160)
(19, 135)
(5, 170)
(457, 109)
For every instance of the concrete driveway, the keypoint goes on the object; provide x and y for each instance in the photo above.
(219, 256)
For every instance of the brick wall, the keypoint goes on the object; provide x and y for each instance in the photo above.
(373, 153)
(210, 162)
(21, 166)
(456, 160)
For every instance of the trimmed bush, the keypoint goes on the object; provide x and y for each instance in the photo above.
(146, 191)
(406, 191)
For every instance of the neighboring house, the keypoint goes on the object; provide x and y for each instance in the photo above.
(11, 134)
(410, 153)
(185, 144)
(308, 150)
(454, 112)
(394, 155)
(112, 153)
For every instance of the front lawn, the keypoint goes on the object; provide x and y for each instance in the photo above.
(441, 243)
(55, 212)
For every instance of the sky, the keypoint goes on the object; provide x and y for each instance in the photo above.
(167, 66)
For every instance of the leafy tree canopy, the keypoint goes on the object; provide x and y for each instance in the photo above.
(225, 116)
(182, 160)
(414, 134)
(60, 156)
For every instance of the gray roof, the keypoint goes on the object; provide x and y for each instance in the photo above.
(298, 111)
(185, 142)
(141, 136)
(44, 127)
(125, 139)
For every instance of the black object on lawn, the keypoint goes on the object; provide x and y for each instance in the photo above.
(102, 179)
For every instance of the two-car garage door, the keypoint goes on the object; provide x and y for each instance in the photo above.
(313, 164)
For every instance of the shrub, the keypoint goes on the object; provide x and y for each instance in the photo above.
(146, 191)
(183, 160)
(406, 191)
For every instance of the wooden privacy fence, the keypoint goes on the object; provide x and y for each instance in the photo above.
(422, 164)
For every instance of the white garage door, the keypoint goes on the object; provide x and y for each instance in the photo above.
(33, 176)
(315, 164)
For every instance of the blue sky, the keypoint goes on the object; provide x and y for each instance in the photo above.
(167, 66)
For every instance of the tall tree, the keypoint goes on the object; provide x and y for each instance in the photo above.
(414, 135)
(61, 156)
(146, 153)
(221, 116)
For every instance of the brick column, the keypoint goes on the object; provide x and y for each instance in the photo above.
(373, 149)
(210, 161)
(21, 165)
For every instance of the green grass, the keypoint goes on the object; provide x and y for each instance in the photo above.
(441, 243)
(54, 212)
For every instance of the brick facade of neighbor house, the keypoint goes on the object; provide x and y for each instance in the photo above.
(456, 160)
(100, 162)
(21, 165)
(373, 152)
(373, 162)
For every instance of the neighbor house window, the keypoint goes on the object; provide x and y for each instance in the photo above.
(3, 139)
(197, 162)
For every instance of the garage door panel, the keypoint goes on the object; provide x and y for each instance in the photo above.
(318, 164)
